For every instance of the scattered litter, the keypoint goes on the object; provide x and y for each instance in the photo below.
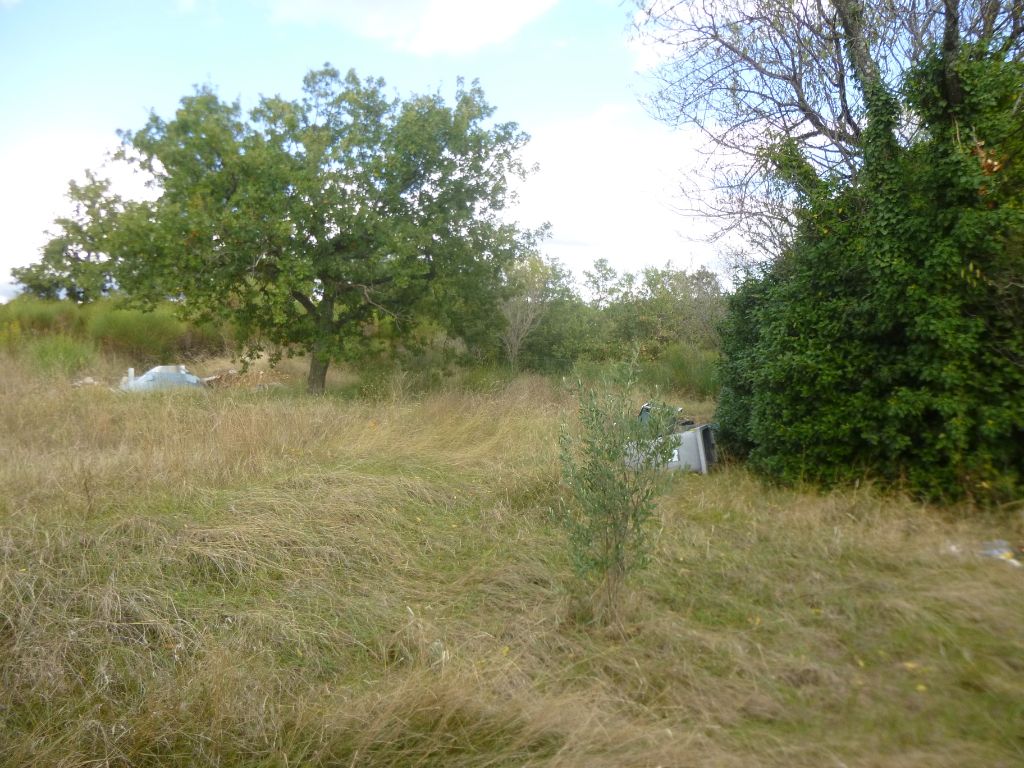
(221, 379)
(88, 381)
(159, 378)
(1002, 550)
(696, 450)
(250, 379)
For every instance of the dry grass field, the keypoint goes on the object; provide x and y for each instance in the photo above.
(260, 578)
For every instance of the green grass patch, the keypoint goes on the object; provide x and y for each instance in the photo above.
(58, 355)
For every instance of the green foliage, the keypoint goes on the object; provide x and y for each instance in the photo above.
(34, 315)
(741, 363)
(666, 307)
(58, 354)
(10, 335)
(531, 285)
(76, 263)
(612, 467)
(307, 221)
(482, 379)
(564, 331)
(47, 334)
(888, 339)
(684, 368)
(669, 315)
(155, 336)
(653, 310)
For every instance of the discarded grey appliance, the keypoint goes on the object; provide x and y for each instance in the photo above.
(695, 443)
(161, 377)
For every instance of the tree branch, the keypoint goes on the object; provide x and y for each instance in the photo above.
(306, 302)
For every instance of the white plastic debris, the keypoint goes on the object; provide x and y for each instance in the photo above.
(161, 377)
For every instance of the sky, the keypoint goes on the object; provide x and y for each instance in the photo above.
(567, 71)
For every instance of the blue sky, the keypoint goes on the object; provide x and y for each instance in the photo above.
(75, 71)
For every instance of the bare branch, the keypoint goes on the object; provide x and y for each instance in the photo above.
(748, 73)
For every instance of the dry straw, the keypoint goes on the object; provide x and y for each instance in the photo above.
(240, 578)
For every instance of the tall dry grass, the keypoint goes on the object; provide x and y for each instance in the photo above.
(264, 579)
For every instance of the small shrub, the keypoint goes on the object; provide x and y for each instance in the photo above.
(612, 468)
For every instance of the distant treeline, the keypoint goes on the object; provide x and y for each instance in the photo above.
(665, 318)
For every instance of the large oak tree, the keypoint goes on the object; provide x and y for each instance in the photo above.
(307, 222)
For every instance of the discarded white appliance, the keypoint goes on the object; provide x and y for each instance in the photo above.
(696, 450)
(161, 377)
(695, 443)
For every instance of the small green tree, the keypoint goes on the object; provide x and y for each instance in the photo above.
(612, 465)
(75, 264)
(532, 285)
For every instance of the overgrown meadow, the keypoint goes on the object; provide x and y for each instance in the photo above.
(254, 577)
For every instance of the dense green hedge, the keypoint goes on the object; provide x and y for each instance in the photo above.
(889, 340)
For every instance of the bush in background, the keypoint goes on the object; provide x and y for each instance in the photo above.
(155, 336)
(35, 316)
(144, 337)
(683, 368)
(58, 354)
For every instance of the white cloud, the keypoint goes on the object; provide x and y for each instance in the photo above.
(649, 53)
(609, 184)
(422, 27)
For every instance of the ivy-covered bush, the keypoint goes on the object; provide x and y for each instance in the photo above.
(889, 340)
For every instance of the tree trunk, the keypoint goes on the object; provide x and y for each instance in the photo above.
(865, 68)
(953, 90)
(319, 361)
